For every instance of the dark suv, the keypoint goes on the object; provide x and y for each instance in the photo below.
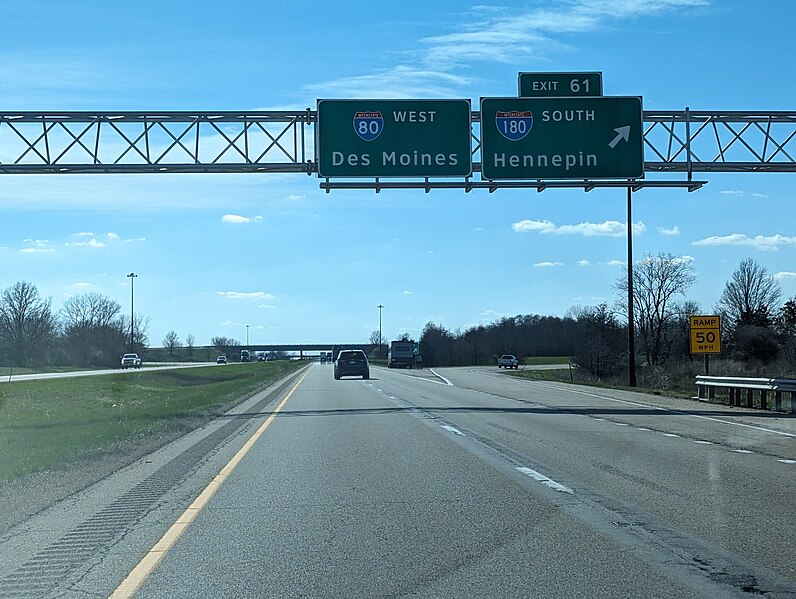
(351, 362)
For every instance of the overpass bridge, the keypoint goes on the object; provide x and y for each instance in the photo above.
(299, 348)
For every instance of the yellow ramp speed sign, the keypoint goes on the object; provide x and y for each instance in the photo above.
(705, 334)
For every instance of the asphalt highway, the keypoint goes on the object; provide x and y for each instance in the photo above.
(455, 483)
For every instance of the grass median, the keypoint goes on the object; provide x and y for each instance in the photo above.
(48, 424)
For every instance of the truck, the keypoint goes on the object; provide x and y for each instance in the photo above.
(130, 361)
(401, 354)
(245, 355)
(508, 361)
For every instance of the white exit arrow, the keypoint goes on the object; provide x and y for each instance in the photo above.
(621, 133)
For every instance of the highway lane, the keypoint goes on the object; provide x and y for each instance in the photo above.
(406, 487)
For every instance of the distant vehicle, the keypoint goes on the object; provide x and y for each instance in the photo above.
(401, 354)
(262, 358)
(221, 360)
(245, 355)
(351, 362)
(508, 361)
(131, 361)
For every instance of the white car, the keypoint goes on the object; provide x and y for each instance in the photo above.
(131, 361)
(508, 361)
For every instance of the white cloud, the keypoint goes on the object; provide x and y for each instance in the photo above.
(245, 294)
(785, 276)
(400, 81)
(84, 234)
(37, 250)
(92, 243)
(408, 292)
(238, 219)
(609, 228)
(614, 263)
(770, 243)
(583, 262)
(294, 197)
(266, 306)
(669, 232)
(111, 235)
(548, 264)
(732, 192)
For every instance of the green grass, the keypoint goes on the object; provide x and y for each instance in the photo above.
(541, 360)
(50, 423)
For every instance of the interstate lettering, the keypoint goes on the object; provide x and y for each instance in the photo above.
(414, 116)
(569, 116)
(418, 159)
(568, 161)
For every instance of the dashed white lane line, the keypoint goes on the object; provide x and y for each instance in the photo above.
(704, 442)
(741, 450)
(455, 431)
(546, 481)
(787, 461)
(641, 428)
(621, 423)
(670, 435)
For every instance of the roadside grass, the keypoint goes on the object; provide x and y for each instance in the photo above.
(48, 424)
(542, 360)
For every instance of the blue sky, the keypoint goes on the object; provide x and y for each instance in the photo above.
(217, 252)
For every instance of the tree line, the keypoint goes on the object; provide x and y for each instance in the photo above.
(89, 330)
(758, 331)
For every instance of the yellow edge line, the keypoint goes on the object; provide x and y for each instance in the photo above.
(150, 561)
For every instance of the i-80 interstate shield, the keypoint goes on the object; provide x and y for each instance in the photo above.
(368, 125)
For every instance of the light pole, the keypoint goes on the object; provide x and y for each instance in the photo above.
(247, 336)
(132, 276)
(380, 307)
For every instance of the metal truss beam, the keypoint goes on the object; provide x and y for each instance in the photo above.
(680, 141)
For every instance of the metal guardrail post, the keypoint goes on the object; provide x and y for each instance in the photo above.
(763, 399)
(778, 401)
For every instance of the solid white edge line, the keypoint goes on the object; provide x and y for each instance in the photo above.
(549, 482)
(435, 373)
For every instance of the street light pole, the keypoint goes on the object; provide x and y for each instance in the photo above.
(380, 307)
(247, 336)
(132, 276)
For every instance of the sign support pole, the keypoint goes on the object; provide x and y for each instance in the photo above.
(707, 364)
(631, 324)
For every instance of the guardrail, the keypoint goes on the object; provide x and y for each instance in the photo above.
(736, 386)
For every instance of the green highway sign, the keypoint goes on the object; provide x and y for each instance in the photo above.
(541, 85)
(562, 138)
(393, 138)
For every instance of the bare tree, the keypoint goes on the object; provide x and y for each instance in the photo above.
(657, 281)
(171, 342)
(93, 331)
(750, 297)
(190, 343)
(27, 323)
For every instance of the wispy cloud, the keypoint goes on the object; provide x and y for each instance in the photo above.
(548, 264)
(245, 294)
(408, 292)
(764, 243)
(669, 232)
(609, 228)
(91, 243)
(583, 262)
(293, 197)
(613, 263)
(238, 219)
(785, 276)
